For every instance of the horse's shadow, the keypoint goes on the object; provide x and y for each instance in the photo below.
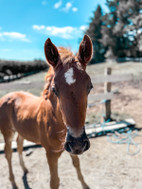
(25, 181)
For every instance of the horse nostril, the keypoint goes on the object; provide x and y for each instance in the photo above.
(86, 145)
(77, 147)
(67, 146)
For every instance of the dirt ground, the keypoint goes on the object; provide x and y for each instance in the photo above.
(104, 165)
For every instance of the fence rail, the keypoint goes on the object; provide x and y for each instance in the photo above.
(107, 79)
(112, 78)
(100, 96)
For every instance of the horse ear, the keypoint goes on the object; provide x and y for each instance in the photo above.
(85, 50)
(51, 53)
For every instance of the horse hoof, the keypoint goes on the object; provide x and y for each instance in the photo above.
(14, 186)
(86, 187)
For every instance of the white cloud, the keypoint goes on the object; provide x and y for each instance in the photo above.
(44, 3)
(67, 7)
(67, 32)
(74, 9)
(83, 28)
(58, 4)
(10, 36)
(36, 27)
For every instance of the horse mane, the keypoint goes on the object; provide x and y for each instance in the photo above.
(66, 57)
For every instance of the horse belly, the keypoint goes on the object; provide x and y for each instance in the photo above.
(27, 130)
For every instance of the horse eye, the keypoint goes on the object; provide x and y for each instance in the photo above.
(90, 87)
(54, 91)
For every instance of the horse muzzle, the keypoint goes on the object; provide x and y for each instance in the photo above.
(77, 145)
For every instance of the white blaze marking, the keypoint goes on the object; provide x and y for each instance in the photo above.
(69, 77)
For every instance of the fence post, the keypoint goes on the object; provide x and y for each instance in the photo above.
(107, 88)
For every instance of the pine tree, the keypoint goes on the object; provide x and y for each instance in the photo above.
(134, 29)
(94, 31)
(121, 30)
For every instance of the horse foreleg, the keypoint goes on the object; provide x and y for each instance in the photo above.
(76, 163)
(8, 154)
(52, 158)
(20, 140)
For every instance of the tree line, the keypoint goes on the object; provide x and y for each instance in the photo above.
(10, 70)
(118, 33)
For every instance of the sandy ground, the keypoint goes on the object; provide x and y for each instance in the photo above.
(104, 165)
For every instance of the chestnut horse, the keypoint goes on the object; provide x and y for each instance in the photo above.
(56, 119)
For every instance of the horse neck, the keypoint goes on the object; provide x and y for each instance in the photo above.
(54, 110)
(55, 103)
(48, 95)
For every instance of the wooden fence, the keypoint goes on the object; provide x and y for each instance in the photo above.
(108, 78)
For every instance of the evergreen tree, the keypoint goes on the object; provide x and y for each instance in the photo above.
(94, 31)
(134, 29)
(121, 30)
(118, 33)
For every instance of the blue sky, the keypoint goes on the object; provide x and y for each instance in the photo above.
(26, 24)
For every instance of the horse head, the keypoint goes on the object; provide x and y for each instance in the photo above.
(72, 85)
